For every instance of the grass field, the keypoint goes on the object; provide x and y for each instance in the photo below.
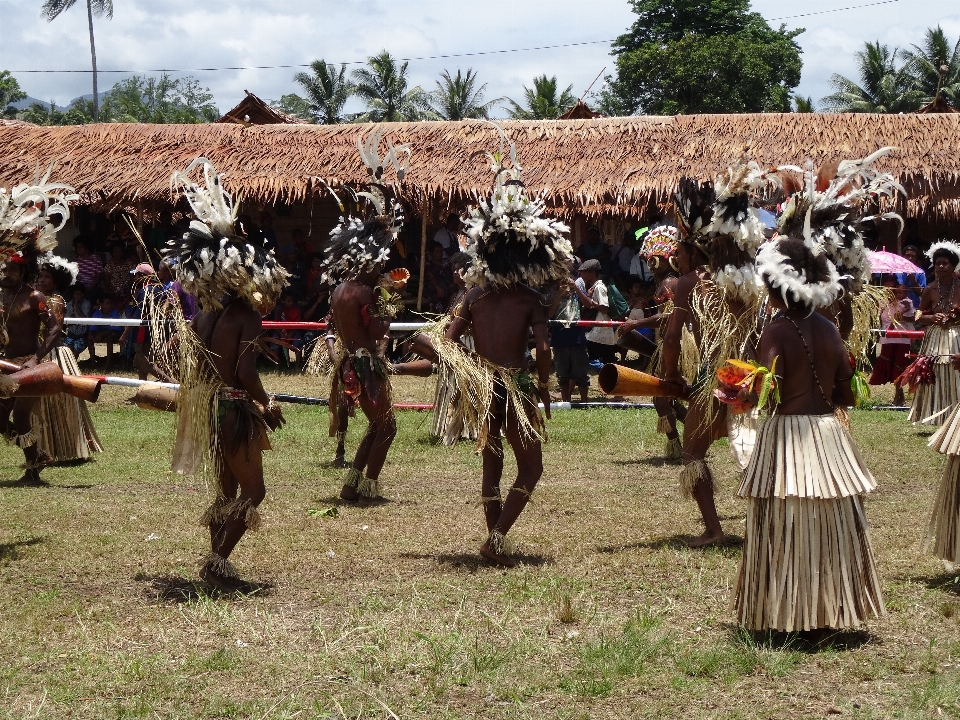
(387, 611)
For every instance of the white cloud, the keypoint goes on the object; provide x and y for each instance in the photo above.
(183, 34)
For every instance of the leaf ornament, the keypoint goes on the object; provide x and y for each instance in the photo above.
(919, 372)
(737, 376)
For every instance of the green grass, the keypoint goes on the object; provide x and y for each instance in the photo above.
(387, 611)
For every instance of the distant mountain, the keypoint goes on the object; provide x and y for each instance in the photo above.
(89, 96)
(28, 101)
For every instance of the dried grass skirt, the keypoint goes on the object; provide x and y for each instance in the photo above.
(931, 403)
(63, 422)
(807, 559)
(944, 528)
(449, 425)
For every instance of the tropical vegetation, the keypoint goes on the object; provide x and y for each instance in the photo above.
(543, 101)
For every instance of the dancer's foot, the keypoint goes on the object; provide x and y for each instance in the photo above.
(31, 477)
(340, 460)
(219, 582)
(496, 558)
(348, 492)
(706, 540)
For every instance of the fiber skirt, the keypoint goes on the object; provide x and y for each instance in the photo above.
(63, 422)
(890, 364)
(932, 402)
(945, 519)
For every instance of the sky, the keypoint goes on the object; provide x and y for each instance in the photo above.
(147, 35)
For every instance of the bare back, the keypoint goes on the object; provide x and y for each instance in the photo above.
(354, 306)
(810, 382)
(225, 333)
(501, 320)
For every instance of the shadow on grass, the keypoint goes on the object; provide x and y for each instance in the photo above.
(673, 542)
(651, 461)
(946, 582)
(809, 642)
(41, 484)
(176, 589)
(11, 550)
(361, 503)
(472, 562)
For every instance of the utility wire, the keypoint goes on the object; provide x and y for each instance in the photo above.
(425, 57)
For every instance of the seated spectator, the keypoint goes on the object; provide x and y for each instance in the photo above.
(116, 280)
(892, 360)
(448, 237)
(438, 282)
(90, 266)
(594, 248)
(622, 255)
(108, 334)
(77, 307)
(188, 303)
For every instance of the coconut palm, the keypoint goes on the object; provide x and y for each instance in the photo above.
(327, 90)
(52, 9)
(803, 104)
(935, 66)
(459, 98)
(543, 103)
(883, 88)
(383, 86)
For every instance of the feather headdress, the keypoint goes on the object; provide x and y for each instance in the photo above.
(830, 212)
(510, 242)
(718, 218)
(25, 211)
(947, 245)
(358, 244)
(213, 262)
(660, 241)
(793, 284)
(63, 271)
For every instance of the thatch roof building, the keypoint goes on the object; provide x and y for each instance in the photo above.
(625, 167)
(254, 111)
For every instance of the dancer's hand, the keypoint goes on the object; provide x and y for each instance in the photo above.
(273, 416)
(677, 386)
(545, 399)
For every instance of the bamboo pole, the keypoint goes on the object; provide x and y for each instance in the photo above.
(424, 219)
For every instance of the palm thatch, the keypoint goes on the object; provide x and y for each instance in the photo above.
(254, 111)
(622, 166)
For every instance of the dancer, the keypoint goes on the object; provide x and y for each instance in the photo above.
(513, 250)
(939, 313)
(353, 262)
(718, 295)
(944, 528)
(65, 427)
(659, 250)
(807, 558)
(223, 412)
(25, 233)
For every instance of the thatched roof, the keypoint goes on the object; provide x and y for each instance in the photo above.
(938, 105)
(254, 111)
(580, 111)
(605, 165)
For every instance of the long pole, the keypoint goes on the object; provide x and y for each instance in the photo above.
(93, 58)
(425, 210)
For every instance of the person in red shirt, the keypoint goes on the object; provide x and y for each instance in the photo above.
(289, 311)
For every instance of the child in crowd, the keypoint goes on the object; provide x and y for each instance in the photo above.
(108, 334)
(892, 360)
(77, 307)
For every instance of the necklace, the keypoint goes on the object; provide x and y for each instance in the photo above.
(813, 368)
(944, 302)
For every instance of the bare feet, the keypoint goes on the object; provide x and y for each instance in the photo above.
(31, 477)
(706, 540)
(496, 558)
(222, 583)
(340, 460)
(349, 493)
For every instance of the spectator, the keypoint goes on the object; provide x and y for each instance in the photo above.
(162, 232)
(913, 282)
(116, 280)
(188, 303)
(287, 311)
(592, 293)
(594, 248)
(77, 307)
(90, 266)
(569, 343)
(448, 237)
(623, 254)
(892, 360)
(144, 282)
(267, 233)
(638, 266)
(108, 334)
(438, 281)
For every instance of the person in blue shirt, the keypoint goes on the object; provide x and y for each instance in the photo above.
(914, 282)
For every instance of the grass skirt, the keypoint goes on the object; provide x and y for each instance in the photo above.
(932, 402)
(449, 425)
(944, 526)
(807, 559)
(63, 421)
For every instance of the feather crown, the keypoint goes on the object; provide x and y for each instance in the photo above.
(25, 212)
(63, 271)
(212, 260)
(830, 212)
(510, 242)
(948, 245)
(358, 244)
(780, 273)
(661, 241)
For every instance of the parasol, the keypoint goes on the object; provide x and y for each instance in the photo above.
(882, 261)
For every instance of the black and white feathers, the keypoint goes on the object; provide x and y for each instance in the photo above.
(63, 271)
(25, 212)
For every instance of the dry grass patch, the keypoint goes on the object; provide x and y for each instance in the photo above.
(388, 611)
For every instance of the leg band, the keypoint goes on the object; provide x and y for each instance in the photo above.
(341, 436)
(25, 440)
(352, 478)
(673, 449)
(497, 542)
(694, 474)
(219, 566)
(369, 488)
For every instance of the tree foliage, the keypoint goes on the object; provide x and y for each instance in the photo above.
(163, 99)
(327, 91)
(701, 56)
(883, 87)
(935, 66)
(293, 104)
(383, 86)
(10, 93)
(542, 101)
(459, 98)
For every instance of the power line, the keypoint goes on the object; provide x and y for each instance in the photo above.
(425, 57)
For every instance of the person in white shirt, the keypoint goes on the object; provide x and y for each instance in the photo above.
(601, 341)
(448, 237)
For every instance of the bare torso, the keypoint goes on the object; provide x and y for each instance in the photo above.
(501, 321)
(354, 306)
(225, 333)
(26, 309)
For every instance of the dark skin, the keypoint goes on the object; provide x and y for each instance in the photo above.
(25, 311)
(934, 308)
(500, 322)
(230, 334)
(342, 415)
(558, 295)
(348, 300)
(696, 439)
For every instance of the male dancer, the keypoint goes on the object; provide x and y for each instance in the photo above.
(223, 410)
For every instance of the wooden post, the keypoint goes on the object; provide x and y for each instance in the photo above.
(424, 219)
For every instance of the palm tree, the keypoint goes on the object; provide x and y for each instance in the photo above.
(883, 88)
(327, 91)
(935, 66)
(52, 9)
(383, 86)
(459, 98)
(542, 101)
(803, 104)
